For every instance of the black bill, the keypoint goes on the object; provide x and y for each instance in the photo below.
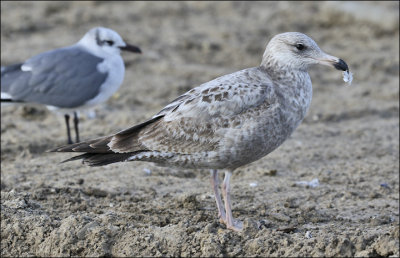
(131, 48)
(341, 65)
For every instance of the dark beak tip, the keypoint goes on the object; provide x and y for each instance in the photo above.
(131, 48)
(341, 65)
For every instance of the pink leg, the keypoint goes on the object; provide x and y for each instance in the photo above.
(215, 184)
(230, 222)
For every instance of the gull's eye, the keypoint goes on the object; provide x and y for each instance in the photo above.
(300, 46)
(109, 42)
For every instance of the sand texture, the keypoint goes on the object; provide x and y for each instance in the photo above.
(349, 140)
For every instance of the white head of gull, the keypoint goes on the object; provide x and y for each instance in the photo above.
(225, 123)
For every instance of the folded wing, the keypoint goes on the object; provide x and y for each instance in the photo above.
(65, 77)
(194, 122)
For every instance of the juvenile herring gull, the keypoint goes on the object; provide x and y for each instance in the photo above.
(225, 123)
(75, 77)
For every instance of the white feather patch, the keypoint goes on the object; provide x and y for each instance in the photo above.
(26, 68)
(347, 77)
(5, 95)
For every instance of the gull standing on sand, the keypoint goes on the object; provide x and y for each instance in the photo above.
(225, 123)
(70, 78)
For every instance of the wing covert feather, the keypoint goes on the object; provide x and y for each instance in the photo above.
(197, 120)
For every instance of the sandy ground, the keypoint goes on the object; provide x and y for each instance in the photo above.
(349, 140)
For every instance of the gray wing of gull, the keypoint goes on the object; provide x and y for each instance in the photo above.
(65, 77)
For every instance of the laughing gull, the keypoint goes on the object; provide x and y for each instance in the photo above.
(70, 78)
(225, 123)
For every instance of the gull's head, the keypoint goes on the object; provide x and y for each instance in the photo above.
(297, 51)
(103, 42)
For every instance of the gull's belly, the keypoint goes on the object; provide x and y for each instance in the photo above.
(259, 139)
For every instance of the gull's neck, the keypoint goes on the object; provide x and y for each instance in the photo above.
(292, 86)
(279, 68)
(295, 82)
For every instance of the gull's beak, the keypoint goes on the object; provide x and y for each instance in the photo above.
(131, 48)
(338, 63)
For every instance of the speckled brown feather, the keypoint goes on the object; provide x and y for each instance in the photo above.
(225, 123)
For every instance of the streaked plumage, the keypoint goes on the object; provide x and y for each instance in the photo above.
(225, 123)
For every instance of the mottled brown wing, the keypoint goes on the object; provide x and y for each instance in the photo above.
(196, 121)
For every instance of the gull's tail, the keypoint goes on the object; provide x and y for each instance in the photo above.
(109, 149)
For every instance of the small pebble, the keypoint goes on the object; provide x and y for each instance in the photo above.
(385, 185)
(253, 184)
(313, 183)
(147, 171)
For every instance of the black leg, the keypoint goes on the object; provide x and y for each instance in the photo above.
(76, 122)
(68, 131)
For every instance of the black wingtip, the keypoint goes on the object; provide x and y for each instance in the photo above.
(8, 100)
(82, 156)
(65, 148)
